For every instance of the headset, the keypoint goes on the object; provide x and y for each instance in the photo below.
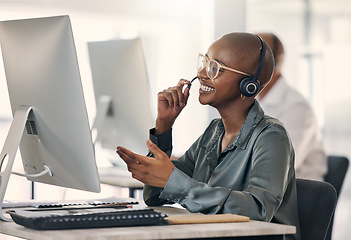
(275, 49)
(249, 86)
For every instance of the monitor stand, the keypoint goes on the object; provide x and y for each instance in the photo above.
(103, 108)
(9, 151)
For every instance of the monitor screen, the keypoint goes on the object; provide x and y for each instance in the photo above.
(46, 97)
(122, 94)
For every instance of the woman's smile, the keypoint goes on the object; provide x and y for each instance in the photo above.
(206, 88)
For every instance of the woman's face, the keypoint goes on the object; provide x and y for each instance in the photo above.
(225, 87)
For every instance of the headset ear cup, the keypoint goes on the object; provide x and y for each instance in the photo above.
(248, 86)
(242, 85)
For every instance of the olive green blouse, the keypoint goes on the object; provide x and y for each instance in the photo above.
(254, 176)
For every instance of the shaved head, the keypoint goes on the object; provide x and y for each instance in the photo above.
(246, 48)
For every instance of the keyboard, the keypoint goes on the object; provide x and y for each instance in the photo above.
(41, 219)
(65, 203)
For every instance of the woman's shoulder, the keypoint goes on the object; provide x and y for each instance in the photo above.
(270, 124)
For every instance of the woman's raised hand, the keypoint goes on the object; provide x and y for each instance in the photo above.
(171, 102)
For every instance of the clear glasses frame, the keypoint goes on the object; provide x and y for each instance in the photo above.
(213, 67)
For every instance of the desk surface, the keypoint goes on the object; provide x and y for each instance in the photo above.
(185, 231)
(118, 177)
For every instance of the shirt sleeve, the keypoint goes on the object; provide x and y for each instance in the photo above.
(164, 142)
(152, 195)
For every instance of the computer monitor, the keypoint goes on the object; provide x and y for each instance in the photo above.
(50, 122)
(122, 94)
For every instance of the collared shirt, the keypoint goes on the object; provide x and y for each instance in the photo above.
(254, 176)
(293, 110)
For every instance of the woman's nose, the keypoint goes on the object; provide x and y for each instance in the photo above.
(202, 73)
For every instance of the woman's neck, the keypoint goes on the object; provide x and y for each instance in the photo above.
(233, 119)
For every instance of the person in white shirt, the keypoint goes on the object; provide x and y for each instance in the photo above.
(280, 100)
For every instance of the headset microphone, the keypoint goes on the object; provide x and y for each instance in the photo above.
(189, 85)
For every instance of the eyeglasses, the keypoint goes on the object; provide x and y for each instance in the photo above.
(213, 67)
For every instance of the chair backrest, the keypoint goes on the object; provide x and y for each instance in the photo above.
(316, 204)
(337, 169)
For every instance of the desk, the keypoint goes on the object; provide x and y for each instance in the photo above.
(243, 230)
(120, 177)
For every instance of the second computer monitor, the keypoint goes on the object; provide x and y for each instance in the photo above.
(121, 87)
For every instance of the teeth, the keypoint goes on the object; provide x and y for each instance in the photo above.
(206, 88)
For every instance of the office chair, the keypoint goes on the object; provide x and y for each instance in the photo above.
(316, 204)
(337, 169)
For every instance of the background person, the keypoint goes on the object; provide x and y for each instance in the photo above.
(283, 102)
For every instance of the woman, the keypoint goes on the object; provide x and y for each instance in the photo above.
(244, 162)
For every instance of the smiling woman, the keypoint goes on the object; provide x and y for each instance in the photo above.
(226, 169)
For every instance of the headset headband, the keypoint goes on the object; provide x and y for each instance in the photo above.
(262, 56)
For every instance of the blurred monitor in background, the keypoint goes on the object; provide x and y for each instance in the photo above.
(122, 94)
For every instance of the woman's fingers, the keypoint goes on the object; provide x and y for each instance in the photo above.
(175, 95)
(158, 153)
